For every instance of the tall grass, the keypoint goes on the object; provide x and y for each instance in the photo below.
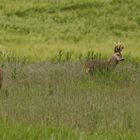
(63, 95)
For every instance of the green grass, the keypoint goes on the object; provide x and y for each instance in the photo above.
(46, 93)
(18, 131)
(62, 95)
(38, 29)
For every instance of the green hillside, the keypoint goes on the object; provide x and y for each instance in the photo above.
(37, 29)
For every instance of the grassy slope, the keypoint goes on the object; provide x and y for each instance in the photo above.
(39, 27)
(62, 95)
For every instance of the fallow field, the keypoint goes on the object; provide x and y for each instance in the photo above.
(46, 94)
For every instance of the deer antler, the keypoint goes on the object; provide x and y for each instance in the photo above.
(121, 48)
(118, 46)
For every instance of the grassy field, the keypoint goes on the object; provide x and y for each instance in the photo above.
(46, 93)
(10, 131)
(38, 29)
(62, 96)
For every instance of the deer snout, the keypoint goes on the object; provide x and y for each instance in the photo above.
(122, 59)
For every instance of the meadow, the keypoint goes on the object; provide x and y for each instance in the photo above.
(46, 93)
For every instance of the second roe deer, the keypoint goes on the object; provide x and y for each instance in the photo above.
(115, 59)
(1, 77)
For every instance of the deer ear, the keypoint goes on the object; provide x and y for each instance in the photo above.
(122, 47)
(116, 49)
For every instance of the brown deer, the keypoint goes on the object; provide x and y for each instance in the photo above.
(1, 77)
(115, 59)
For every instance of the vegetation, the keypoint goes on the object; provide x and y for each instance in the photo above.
(63, 96)
(41, 132)
(37, 29)
(46, 93)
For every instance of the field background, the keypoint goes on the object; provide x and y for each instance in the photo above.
(37, 29)
(46, 93)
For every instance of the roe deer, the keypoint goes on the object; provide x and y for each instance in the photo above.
(1, 77)
(115, 59)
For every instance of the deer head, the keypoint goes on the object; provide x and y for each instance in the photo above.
(117, 56)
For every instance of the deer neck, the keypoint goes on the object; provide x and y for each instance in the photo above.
(113, 62)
